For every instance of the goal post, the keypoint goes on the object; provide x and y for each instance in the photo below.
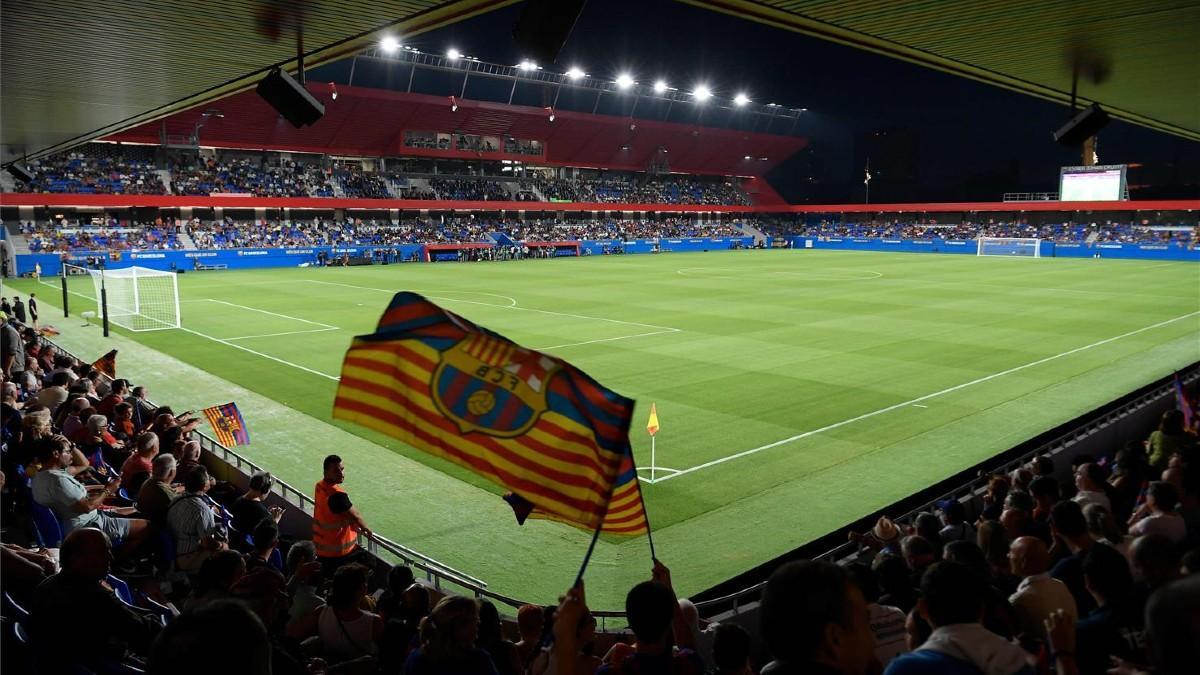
(135, 298)
(1014, 247)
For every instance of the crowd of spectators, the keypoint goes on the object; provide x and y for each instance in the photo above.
(277, 176)
(108, 235)
(163, 568)
(1058, 232)
(75, 172)
(284, 178)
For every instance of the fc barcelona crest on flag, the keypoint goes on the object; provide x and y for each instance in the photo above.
(489, 385)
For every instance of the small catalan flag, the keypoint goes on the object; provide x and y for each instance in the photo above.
(107, 364)
(227, 424)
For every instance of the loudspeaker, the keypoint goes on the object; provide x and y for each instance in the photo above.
(20, 173)
(290, 98)
(543, 27)
(1082, 126)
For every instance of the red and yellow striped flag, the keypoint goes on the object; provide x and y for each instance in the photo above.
(530, 422)
(227, 424)
(107, 364)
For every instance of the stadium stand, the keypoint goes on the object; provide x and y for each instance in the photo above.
(1053, 568)
(108, 168)
(1106, 231)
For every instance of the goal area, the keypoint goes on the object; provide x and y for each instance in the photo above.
(1010, 247)
(137, 298)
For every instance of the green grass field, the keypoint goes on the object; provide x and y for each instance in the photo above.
(797, 390)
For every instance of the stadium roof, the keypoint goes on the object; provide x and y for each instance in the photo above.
(1138, 56)
(371, 122)
(75, 70)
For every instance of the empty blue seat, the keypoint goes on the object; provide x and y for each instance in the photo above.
(46, 527)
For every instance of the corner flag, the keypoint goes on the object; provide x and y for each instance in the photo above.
(652, 423)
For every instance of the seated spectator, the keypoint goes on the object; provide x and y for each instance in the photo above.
(347, 632)
(75, 603)
(530, 622)
(1129, 475)
(1070, 528)
(249, 510)
(96, 441)
(265, 539)
(215, 638)
(895, 582)
(193, 523)
(215, 579)
(73, 422)
(887, 623)
(263, 592)
(56, 489)
(993, 540)
(1168, 439)
(390, 602)
(140, 463)
(117, 391)
(919, 553)
(952, 601)
(1158, 515)
(1115, 626)
(305, 574)
(1046, 494)
(814, 620)
(1038, 595)
(448, 637)
(1091, 482)
(701, 637)
(1103, 528)
(731, 650)
(502, 652)
(122, 426)
(55, 394)
(188, 456)
(1173, 627)
(998, 616)
(157, 494)
(954, 522)
(1155, 563)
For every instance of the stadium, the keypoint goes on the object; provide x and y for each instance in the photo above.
(355, 339)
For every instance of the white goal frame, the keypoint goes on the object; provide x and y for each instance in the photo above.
(137, 298)
(1010, 247)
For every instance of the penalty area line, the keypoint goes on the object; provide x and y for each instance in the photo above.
(258, 353)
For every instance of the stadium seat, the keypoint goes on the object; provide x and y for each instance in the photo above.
(46, 528)
(14, 609)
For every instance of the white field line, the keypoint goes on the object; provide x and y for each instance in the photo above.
(257, 353)
(289, 332)
(926, 397)
(263, 311)
(658, 329)
(611, 339)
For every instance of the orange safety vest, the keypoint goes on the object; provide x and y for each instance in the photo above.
(333, 534)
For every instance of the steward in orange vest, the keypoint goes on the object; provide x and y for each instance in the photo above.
(336, 523)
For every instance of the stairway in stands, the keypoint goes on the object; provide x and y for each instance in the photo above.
(165, 175)
(12, 232)
(185, 240)
(749, 229)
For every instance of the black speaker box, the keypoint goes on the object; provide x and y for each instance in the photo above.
(1082, 126)
(543, 27)
(290, 98)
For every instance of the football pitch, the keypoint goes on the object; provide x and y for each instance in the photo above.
(797, 390)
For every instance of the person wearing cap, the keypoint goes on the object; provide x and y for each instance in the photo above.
(954, 522)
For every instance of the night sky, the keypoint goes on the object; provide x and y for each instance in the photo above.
(971, 140)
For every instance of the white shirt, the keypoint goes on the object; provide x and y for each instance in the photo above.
(1037, 597)
(887, 623)
(1171, 525)
(1085, 497)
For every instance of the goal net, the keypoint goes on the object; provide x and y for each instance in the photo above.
(1028, 248)
(139, 298)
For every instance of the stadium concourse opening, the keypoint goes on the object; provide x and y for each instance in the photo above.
(362, 355)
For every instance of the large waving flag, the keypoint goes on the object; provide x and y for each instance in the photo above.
(227, 424)
(530, 422)
(107, 364)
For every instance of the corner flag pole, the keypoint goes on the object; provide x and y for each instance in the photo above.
(653, 463)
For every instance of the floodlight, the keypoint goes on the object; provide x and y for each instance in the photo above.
(660, 86)
(389, 44)
(576, 73)
(527, 65)
(624, 81)
(741, 99)
(702, 93)
(453, 54)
